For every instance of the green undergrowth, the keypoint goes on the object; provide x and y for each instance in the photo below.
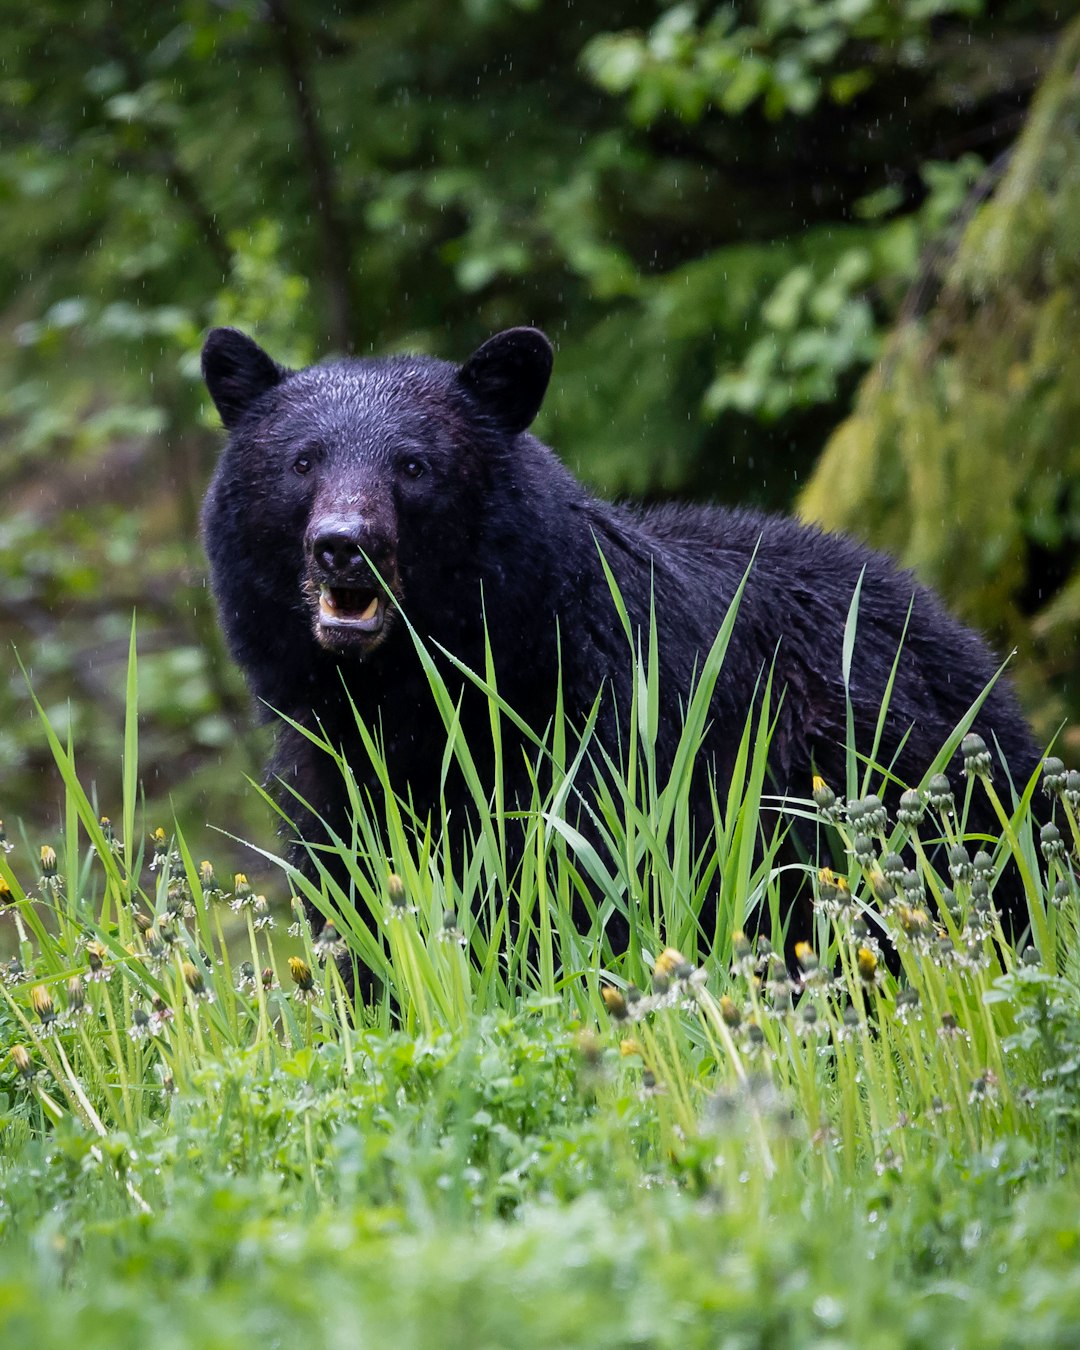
(677, 1123)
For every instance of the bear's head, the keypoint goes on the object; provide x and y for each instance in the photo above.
(355, 484)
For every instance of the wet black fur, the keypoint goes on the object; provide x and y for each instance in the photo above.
(496, 515)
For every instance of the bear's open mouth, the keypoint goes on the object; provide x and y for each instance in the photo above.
(351, 607)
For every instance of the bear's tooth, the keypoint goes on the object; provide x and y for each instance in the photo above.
(371, 610)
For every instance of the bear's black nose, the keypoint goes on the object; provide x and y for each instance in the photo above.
(337, 551)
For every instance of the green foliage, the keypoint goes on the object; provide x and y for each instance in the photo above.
(205, 1139)
(789, 56)
(962, 457)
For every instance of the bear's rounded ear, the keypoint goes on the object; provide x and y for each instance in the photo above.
(508, 376)
(237, 371)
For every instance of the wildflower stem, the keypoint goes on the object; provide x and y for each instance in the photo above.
(262, 1038)
(118, 1055)
(72, 1079)
(1031, 890)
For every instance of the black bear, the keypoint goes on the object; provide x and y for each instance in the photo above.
(425, 472)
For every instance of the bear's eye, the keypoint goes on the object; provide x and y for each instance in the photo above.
(412, 468)
(302, 464)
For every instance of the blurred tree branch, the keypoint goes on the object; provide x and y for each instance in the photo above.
(326, 210)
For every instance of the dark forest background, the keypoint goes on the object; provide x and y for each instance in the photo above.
(816, 255)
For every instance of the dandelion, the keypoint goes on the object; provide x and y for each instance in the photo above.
(939, 794)
(869, 814)
(161, 1014)
(1063, 889)
(730, 1013)
(1072, 789)
(160, 842)
(883, 888)
(984, 1089)
(834, 894)
(302, 978)
(75, 992)
(263, 917)
(912, 808)
(24, 1065)
(50, 880)
(825, 800)
(211, 887)
(614, 1002)
(982, 908)
(111, 842)
(860, 932)
(140, 1025)
(630, 1048)
(1030, 956)
(980, 892)
(13, 971)
(269, 979)
(1053, 779)
(300, 927)
(589, 1047)
(242, 895)
(650, 1084)
(671, 964)
(951, 1029)
(960, 866)
(766, 956)
(912, 886)
(5, 845)
(983, 865)
(779, 999)
(975, 955)
(196, 981)
(806, 957)
(178, 901)
(329, 944)
(42, 1003)
(156, 948)
(1051, 843)
(977, 761)
(866, 963)
(908, 1003)
(6, 895)
(893, 867)
(890, 1161)
(850, 1023)
(742, 953)
(398, 895)
(449, 931)
(916, 926)
(96, 952)
(863, 850)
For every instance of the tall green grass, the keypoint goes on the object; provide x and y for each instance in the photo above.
(187, 1071)
(906, 1003)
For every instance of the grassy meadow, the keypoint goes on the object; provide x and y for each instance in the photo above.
(530, 1138)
